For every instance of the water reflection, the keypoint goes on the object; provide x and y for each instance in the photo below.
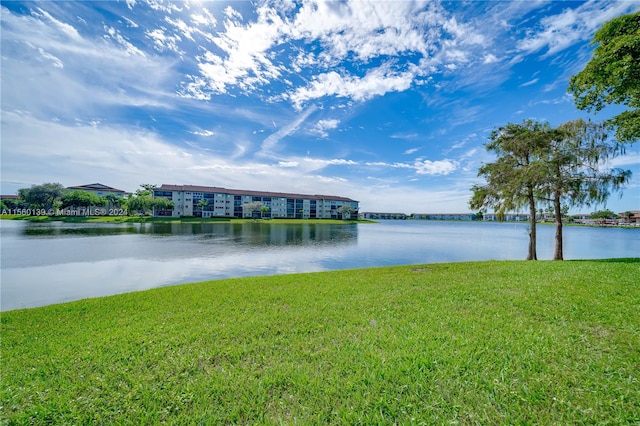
(252, 233)
(56, 262)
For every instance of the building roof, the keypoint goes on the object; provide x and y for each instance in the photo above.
(635, 213)
(384, 213)
(218, 190)
(9, 197)
(95, 187)
(440, 214)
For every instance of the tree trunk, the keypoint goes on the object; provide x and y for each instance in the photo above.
(557, 252)
(531, 255)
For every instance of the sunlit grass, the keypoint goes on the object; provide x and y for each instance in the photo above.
(508, 342)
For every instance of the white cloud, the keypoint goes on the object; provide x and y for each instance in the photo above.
(272, 140)
(125, 158)
(563, 30)
(629, 159)
(322, 126)
(130, 22)
(162, 41)
(490, 58)
(377, 82)
(62, 27)
(529, 83)
(248, 55)
(341, 162)
(87, 76)
(204, 18)
(435, 168)
(205, 133)
(406, 136)
(113, 34)
(54, 60)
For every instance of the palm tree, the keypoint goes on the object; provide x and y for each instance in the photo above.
(202, 203)
(628, 215)
(263, 210)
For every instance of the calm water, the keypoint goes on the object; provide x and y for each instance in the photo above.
(50, 263)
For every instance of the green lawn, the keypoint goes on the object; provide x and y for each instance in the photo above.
(509, 342)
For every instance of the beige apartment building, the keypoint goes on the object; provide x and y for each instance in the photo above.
(209, 201)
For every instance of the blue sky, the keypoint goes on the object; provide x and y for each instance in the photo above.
(386, 102)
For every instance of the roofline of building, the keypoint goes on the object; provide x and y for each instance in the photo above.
(89, 188)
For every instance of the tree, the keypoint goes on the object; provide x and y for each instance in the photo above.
(42, 196)
(147, 188)
(201, 204)
(142, 201)
(575, 161)
(253, 208)
(345, 211)
(511, 181)
(79, 198)
(162, 203)
(628, 214)
(138, 204)
(612, 76)
(113, 200)
(603, 214)
(12, 204)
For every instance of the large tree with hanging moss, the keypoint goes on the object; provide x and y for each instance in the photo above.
(514, 178)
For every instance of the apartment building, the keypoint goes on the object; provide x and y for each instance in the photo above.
(443, 216)
(384, 216)
(209, 201)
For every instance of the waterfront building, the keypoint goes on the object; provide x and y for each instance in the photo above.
(384, 216)
(210, 201)
(630, 217)
(507, 217)
(443, 216)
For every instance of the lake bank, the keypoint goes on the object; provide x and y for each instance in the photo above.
(53, 262)
(150, 219)
(475, 342)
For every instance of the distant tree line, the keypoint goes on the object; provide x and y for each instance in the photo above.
(567, 165)
(52, 197)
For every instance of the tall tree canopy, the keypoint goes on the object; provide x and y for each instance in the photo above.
(143, 201)
(42, 196)
(576, 170)
(79, 198)
(511, 181)
(537, 163)
(612, 76)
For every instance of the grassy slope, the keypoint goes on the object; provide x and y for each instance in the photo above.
(473, 343)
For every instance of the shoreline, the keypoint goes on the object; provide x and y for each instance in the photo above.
(151, 219)
(269, 221)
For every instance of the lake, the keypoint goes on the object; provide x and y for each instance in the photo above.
(47, 263)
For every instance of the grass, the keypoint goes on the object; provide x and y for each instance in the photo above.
(150, 219)
(509, 342)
